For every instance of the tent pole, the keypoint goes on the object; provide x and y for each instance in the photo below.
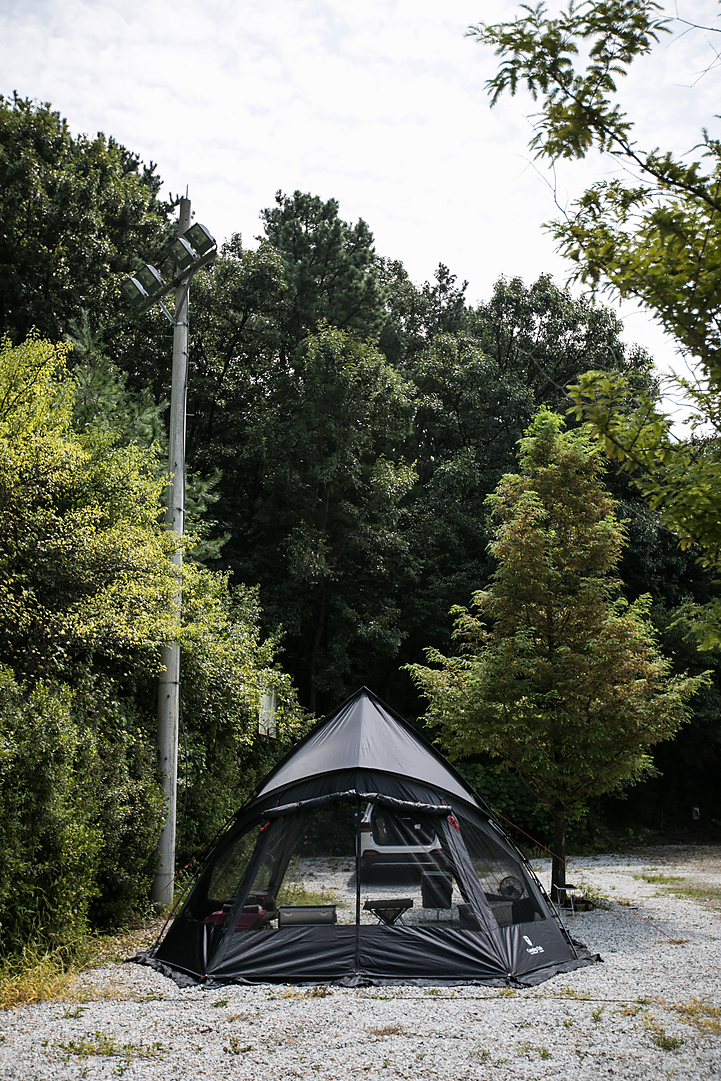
(357, 884)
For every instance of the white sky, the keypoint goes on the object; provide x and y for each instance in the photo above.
(378, 103)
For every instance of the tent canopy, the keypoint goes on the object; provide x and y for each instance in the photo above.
(364, 734)
(366, 858)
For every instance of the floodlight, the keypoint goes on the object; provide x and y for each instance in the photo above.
(133, 291)
(200, 237)
(181, 253)
(150, 279)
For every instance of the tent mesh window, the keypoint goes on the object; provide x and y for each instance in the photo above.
(306, 866)
(402, 858)
(301, 868)
(509, 890)
(219, 884)
(310, 865)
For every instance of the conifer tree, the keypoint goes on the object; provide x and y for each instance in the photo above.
(561, 680)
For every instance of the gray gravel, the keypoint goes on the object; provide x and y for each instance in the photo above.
(610, 1019)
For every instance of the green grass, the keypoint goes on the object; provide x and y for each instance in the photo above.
(568, 992)
(666, 1042)
(528, 1050)
(662, 879)
(296, 893)
(236, 1048)
(703, 892)
(660, 1037)
(40, 975)
(101, 1043)
(44, 974)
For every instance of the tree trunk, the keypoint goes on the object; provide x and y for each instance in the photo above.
(558, 867)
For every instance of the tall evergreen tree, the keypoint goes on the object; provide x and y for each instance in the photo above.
(331, 269)
(561, 680)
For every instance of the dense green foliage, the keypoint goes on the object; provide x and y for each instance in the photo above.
(355, 461)
(86, 599)
(72, 210)
(561, 679)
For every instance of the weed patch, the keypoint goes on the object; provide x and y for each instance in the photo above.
(295, 893)
(321, 991)
(235, 1047)
(662, 879)
(666, 1042)
(47, 975)
(100, 1043)
(630, 1011)
(38, 976)
(529, 1051)
(702, 1015)
(76, 1011)
(660, 1037)
(703, 892)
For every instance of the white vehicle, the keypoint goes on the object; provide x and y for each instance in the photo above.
(389, 839)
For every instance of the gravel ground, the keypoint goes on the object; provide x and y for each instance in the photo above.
(620, 1018)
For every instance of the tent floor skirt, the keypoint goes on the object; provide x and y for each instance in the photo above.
(379, 955)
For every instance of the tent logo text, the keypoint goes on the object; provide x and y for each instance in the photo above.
(533, 949)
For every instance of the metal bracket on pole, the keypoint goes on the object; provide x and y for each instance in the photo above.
(179, 279)
(167, 313)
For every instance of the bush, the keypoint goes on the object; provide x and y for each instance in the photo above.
(87, 595)
(51, 838)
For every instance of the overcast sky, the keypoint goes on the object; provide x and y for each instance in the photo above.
(377, 103)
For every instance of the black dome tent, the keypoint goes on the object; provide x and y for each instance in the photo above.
(366, 858)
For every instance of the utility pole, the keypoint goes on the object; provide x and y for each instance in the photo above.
(169, 683)
(193, 249)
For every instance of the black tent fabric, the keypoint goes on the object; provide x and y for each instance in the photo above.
(365, 858)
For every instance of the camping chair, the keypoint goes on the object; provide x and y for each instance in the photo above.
(570, 890)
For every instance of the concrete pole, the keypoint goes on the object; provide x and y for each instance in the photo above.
(169, 683)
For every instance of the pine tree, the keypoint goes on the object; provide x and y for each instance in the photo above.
(561, 679)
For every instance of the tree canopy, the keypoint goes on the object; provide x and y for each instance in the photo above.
(654, 237)
(74, 210)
